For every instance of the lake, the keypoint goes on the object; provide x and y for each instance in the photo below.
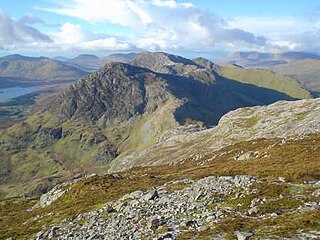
(13, 92)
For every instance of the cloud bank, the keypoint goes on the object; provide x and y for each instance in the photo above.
(166, 25)
(160, 24)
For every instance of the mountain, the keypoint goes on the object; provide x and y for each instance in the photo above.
(165, 147)
(305, 71)
(91, 63)
(120, 57)
(41, 69)
(61, 58)
(265, 60)
(172, 64)
(116, 111)
(254, 175)
(86, 62)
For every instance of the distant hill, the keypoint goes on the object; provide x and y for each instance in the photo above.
(121, 57)
(306, 71)
(86, 62)
(265, 78)
(91, 63)
(265, 60)
(41, 69)
(61, 58)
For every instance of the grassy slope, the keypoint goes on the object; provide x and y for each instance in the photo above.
(295, 160)
(29, 157)
(306, 71)
(265, 78)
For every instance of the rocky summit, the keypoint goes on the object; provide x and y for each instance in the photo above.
(164, 147)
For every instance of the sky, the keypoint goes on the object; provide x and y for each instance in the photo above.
(208, 28)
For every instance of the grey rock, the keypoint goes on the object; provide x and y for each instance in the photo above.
(243, 235)
(316, 193)
(153, 194)
(246, 156)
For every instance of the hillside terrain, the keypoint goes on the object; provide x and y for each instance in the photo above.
(17, 70)
(121, 109)
(262, 185)
(189, 147)
(306, 71)
(304, 67)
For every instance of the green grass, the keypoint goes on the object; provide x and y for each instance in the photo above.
(266, 78)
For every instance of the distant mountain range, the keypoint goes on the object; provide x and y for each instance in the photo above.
(265, 60)
(90, 63)
(21, 70)
(18, 70)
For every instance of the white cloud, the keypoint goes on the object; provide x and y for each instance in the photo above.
(74, 37)
(15, 34)
(284, 34)
(160, 24)
(168, 25)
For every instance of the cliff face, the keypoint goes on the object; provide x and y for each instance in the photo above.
(114, 94)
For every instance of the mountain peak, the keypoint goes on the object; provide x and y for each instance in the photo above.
(175, 65)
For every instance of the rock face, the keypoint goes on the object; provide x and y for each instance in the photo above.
(176, 65)
(119, 92)
(51, 196)
(113, 95)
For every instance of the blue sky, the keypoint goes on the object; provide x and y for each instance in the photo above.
(205, 27)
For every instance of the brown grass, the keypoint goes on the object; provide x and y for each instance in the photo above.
(295, 160)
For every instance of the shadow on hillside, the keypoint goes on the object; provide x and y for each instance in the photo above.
(315, 94)
(209, 102)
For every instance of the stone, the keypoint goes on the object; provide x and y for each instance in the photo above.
(153, 194)
(166, 236)
(40, 235)
(316, 193)
(253, 210)
(51, 196)
(246, 156)
(243, 235)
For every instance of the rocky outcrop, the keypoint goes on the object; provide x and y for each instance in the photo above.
(156, 213)
(58, 191)
(199, 206)
(171, 64)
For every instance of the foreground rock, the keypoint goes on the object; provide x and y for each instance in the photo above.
(157, 213)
